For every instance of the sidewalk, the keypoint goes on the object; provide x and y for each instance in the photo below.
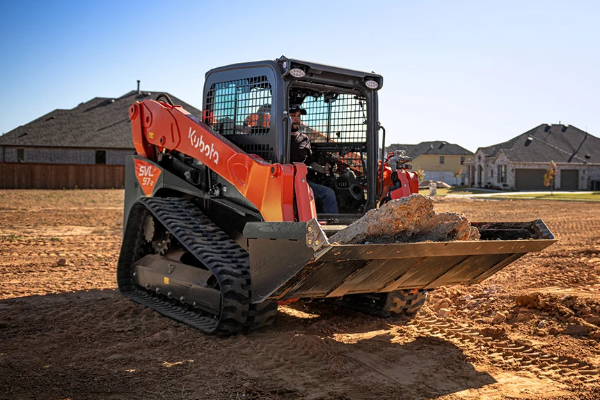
(497, 193)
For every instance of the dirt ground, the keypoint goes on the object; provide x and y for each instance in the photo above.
(529, 332)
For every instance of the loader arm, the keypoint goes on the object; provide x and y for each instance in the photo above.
(270, 187)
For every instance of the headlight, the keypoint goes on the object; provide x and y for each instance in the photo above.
(371, 84)
(297, 72)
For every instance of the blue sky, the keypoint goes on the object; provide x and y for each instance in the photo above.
(473, 73)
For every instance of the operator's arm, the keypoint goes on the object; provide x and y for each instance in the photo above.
(319, 168)
(300, 151)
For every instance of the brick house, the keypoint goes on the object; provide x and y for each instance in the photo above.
(83, 147)
(520, 163)
(439, 160)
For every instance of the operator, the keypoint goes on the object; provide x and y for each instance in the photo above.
(300, 151)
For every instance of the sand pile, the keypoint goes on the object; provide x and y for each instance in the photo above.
(406, 220)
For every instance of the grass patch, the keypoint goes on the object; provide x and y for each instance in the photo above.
(556, 196)
(457, 191)
(11, 237)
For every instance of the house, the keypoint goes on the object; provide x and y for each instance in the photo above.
(439, 160)
(83, 147)
(522, 162)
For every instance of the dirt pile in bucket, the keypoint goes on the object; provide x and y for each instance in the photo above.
(407, 220)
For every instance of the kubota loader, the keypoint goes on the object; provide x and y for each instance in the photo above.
(220, 227)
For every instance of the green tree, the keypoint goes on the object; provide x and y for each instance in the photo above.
(550, 177)
(421, 174)
(457, 175)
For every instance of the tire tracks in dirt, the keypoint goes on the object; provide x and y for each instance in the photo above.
(511, 354)
(306, 364)
(93, 248)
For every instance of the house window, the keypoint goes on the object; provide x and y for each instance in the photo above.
(20, 155)
(441, 160)
(491, 173)
(502, 173)
(100, 156)
(462, 160)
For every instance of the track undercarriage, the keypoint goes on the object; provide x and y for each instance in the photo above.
(203, 277)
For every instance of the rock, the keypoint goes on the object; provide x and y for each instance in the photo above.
(409, 219)
(472, 304)
(492, 289)
(61, 262)
(564, 310)
(499, 318)
(575, 330)
(594, 320)
(542, 324)
(553, 331)
(596, 335)
(527, 300)
(522, 317)
(568, 300)
(443, 303)
(444, 312)
(584, 310)
(466, 297)
(494, 331)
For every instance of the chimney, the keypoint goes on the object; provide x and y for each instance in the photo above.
(138, 89)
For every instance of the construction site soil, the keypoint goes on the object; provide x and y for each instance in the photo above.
(532, 331)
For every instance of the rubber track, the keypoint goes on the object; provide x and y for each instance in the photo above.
(214, 249)
(512, 354)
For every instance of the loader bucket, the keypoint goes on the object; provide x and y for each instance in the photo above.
(291, 260)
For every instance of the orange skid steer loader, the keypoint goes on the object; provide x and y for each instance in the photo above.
(220, 227)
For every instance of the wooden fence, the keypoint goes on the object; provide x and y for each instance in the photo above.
(59, 176)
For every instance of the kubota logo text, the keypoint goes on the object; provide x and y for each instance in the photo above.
(207, 149)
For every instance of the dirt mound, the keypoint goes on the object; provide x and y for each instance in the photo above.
(581, 314)
(564, 306)
(407, 220)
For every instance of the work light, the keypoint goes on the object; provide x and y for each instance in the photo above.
(371, 84)
(297, 72)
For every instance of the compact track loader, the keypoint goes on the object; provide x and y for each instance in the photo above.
(220, 227)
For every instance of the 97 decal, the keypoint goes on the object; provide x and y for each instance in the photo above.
(147, 175)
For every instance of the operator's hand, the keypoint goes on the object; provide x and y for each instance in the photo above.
(327, 169)
(319, 168)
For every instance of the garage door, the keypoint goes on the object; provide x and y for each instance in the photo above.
(569, 179)
(530, 179)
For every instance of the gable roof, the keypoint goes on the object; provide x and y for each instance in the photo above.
(436, 147)
(545, 143)
(98, 123)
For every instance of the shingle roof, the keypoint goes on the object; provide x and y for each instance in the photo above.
(99, 123)
(544, 143)
(437, 147)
